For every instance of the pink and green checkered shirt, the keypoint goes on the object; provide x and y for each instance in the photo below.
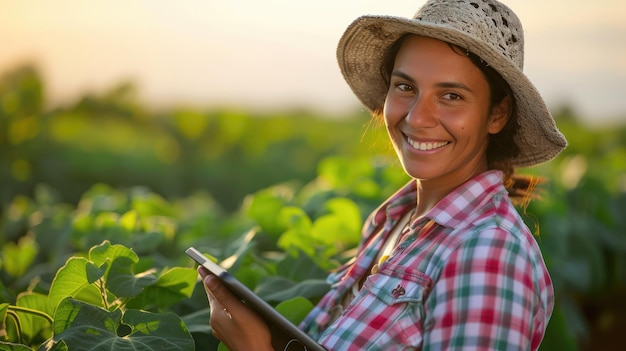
(468, 275)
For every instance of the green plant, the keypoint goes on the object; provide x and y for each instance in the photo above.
(261, 193)
(90, 296)
(63, 283)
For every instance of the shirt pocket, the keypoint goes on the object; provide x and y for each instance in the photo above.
(398, 284)
(392, 302)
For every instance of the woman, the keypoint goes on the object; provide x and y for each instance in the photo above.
(446, 263)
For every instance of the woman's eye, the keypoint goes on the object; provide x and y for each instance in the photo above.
(404, 87)
(451, 96)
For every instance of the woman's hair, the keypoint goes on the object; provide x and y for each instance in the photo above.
(502, 146)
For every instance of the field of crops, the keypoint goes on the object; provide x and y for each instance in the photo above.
(100, 198)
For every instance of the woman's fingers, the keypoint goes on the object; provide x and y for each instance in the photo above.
(219, 295)
(232, 321)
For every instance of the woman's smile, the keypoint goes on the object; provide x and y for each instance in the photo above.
(426, 145)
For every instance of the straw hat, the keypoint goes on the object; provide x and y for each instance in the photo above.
(485, 28)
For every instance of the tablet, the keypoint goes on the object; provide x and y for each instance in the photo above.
(296, 338)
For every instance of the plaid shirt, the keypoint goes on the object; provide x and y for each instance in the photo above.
(468, 275)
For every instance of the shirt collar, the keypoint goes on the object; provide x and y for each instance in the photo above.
(460, 205)
(453, 209)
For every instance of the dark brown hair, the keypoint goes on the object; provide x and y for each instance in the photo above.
(502, 147)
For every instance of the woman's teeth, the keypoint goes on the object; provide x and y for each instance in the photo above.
(427, 146)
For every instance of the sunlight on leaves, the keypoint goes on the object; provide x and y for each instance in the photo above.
(35, 324)
(129, 221)
(122, 281)
(105, 251)
(18, 257)
(263, 207)
(341, 226)
(171, 287)
(148, 331)
(71, 280)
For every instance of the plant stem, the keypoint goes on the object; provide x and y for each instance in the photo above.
(31, 311)
(18, 324)
(103, 292)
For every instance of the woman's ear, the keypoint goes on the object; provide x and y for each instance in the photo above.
(499, 116)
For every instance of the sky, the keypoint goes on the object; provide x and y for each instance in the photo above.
(281, 53)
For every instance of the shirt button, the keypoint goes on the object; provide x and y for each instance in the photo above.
(398, 291)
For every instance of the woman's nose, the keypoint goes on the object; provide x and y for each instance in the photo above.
(421, 113)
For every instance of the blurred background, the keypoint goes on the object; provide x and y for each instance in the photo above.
(278, 53)
(229, 97)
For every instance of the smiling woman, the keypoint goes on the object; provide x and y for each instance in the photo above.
(446, 262)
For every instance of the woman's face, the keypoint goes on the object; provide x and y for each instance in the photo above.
(437, 112)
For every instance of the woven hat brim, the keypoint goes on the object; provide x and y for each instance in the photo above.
(365, 42)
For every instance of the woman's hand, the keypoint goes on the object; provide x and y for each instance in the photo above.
(232, 322)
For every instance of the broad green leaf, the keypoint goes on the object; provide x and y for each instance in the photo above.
(122, 281)
(277, 289)
(264, 207)
(8, 323)
(72, 280)
(172, 286)
(102, 197)
(39, 321)
(300, 268)
(149, 204)
(343, 173)
(105, 251)
(82, 223)
(238, 248)
(297, 236)
(294, 241)
(17, 258)
(94, 272)
(83, 230)
(85, 327)
(333, 232)
(179, 279)
(336, 171)
(366, 187)
(347, 209)
(250, 275)
(107, 221)
(342, 226)
(198, 321)
(148, 242)
(295, 218)
(295, 309)
(129, 221)
(165, 226)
